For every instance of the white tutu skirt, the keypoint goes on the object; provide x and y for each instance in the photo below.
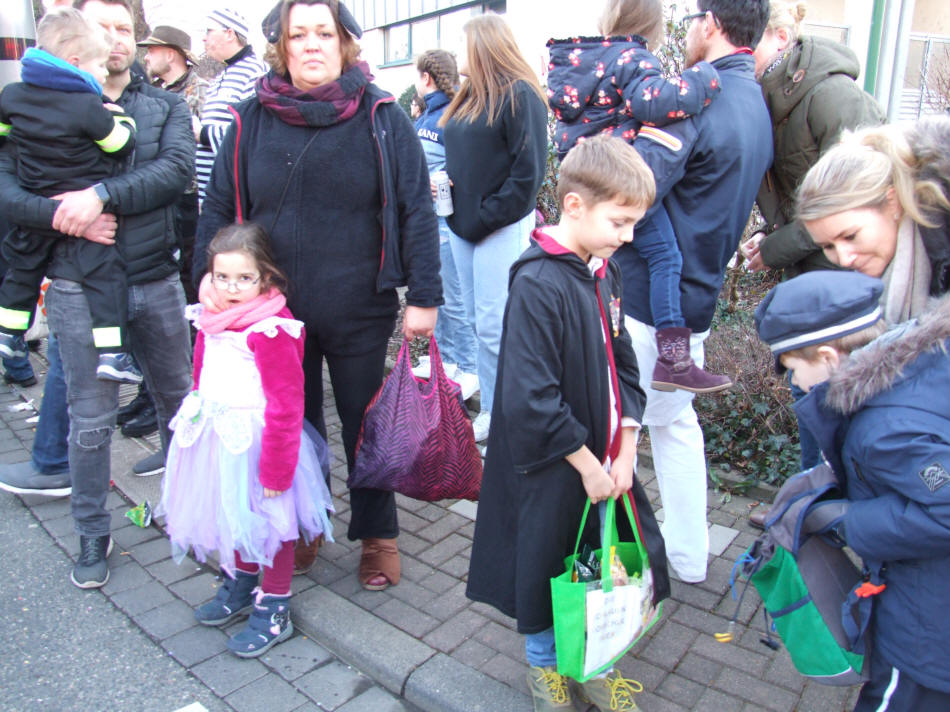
(212, 496)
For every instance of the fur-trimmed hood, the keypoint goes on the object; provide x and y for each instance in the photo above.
(930, 140)
(889, 359)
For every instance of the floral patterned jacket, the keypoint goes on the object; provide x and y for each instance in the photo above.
(614, 84)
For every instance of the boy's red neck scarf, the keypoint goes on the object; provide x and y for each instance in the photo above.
(239, 316)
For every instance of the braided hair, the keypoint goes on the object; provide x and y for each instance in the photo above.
(440, 65)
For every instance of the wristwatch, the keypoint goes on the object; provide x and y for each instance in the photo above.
(101, 193)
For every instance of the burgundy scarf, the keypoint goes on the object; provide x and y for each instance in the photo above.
(324, 105)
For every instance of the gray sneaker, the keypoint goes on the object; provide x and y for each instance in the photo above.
(154, 464)
(23, 478)
(91, 569)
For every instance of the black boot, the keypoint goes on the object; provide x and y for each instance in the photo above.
(134, 406)
(145, 423)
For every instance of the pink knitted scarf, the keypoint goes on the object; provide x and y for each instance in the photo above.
(240, 316)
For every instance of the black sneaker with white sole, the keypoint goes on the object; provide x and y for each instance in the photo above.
(154, 464)
(118, 367)
(91, 569)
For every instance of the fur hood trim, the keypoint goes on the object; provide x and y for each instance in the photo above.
(876, 368)
(930, 141)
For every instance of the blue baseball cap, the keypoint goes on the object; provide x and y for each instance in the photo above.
(817, 307)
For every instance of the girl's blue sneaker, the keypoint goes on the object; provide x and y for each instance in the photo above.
(235, 598)
(268, 624)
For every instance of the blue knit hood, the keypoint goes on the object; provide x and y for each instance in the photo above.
(43, 69)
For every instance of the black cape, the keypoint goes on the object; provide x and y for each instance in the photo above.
(552, 396)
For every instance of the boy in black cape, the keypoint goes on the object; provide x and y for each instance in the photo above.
(566, 413)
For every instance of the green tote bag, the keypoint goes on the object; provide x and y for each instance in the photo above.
(596, 622)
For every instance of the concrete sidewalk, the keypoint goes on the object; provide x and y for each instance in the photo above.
(422, 644)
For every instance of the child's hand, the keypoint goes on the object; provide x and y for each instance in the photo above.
(624, 466)
(597, 483)
(621, 472)
(272, 493)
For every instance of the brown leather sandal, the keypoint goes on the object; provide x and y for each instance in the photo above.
(379, 564)
(305, 554)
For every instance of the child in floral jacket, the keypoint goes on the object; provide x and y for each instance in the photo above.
(613, 84)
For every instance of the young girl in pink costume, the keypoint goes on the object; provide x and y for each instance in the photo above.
(243, 476)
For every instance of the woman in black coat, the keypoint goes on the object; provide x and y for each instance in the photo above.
(331, 167)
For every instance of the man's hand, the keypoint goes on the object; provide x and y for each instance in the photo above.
(102, 230)
(76, 212)
(419, 321)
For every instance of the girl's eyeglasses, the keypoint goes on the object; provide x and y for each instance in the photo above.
(241, 284)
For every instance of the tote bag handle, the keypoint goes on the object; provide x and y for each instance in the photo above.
(611, 537)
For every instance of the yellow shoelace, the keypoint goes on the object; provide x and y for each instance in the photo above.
(622, 691)
(557, 685)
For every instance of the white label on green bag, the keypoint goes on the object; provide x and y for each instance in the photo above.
(613, 620)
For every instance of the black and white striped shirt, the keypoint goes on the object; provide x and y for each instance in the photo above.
(233, 85)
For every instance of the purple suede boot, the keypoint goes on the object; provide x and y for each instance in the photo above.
(675, 369)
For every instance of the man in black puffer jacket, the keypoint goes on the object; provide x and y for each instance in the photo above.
(143, 199)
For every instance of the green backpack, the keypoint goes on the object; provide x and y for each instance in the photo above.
(816, 598)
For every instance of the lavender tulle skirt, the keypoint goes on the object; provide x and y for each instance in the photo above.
(212, 497)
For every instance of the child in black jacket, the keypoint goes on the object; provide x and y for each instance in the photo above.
(568, 406)
(64, 138)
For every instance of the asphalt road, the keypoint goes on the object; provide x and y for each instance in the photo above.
(68, 649)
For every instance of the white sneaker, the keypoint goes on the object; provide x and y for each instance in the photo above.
(423, 369)
(481, 426)
(468, 383)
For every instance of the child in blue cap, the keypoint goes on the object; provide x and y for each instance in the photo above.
(878, 406)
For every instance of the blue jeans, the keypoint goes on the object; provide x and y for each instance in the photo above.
(18, 368)
(539, 648)
(162, 346)
(483, 277)
(453, 331)
(656, 242)
(811, 454)
(50, 445)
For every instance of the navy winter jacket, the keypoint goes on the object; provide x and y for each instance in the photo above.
(707, 170)
(883, 424)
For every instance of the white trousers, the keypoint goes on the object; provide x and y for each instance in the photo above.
(678, 457)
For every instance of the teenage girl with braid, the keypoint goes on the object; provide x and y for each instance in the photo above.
(438, 78)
